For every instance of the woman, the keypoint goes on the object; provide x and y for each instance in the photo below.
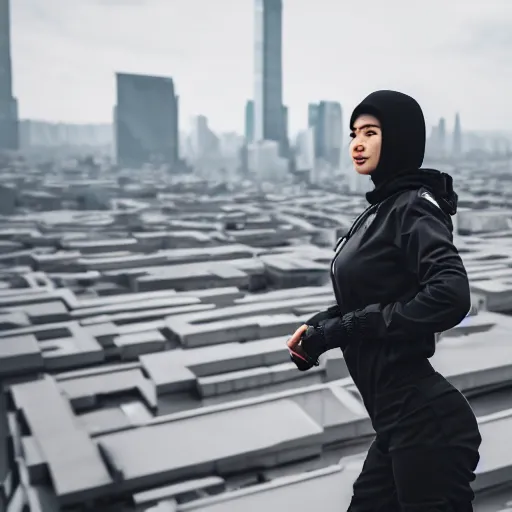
(399, 280)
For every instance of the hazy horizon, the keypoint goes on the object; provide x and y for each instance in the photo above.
(450, 56)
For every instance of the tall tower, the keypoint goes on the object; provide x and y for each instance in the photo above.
(249, 121)
(268, 72)
(457, 137)
(8, 104)
(441, 134)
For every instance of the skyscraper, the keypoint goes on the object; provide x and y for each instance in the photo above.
(268, 73)
(8, 104)
(441, 134)
(326, 119)
(312, 115)
(203, 141)
(249, 121)
(146, 120)
(457, 137)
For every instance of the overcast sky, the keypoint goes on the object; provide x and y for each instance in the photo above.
(449, 54)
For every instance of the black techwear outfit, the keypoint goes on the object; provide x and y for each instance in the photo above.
(398, 280)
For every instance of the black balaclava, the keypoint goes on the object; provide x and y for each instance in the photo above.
(403, 150)
(403, 132)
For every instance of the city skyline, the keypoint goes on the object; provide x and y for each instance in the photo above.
(464, 68)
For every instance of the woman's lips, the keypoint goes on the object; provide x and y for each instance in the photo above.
(360, 161)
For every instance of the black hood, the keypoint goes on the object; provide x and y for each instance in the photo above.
(403, 132)
(403, 150)
(439, 184)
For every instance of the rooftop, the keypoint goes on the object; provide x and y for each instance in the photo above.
(142, 350)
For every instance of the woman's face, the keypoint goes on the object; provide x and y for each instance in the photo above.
(366, 143)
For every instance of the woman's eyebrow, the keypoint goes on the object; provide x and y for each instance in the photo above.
(366, 126)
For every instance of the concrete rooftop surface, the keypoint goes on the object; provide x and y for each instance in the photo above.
(142, 346)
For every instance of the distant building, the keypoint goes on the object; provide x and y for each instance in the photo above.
(146, 121)
(457, 137)
(326, 119)
(312, 115)
(305, 148)
(7, 199)
(249, 121)
(230, 143)
(265, 163)
(441, 137)
(203, 141)
(285, 141)
(358, 183)
(436, 146)
(9, 139)
(269, 122)
(42, 134)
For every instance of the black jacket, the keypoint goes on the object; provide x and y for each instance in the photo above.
(397, 277)
(398, 280)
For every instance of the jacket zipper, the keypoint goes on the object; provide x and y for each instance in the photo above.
(343, 240)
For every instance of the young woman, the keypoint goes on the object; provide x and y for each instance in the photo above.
(398, 280)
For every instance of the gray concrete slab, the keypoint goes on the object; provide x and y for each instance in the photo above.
(63, 345)
(236, 329)
(123, 307)
(131, 346)
(329, 488)
(34, 460)
(477, 360)
(19, 355)
(28, 296)
(13, 320)
(212, 484)
(495, 466)
(46, 312)
(182, 281)
(230, 382)
(180, 449)
(137, 413)
(135, 316)
(103, 419)
(334, 484)
(84, 391)
(74, 462)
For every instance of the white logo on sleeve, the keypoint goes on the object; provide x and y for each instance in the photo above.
(428, 197)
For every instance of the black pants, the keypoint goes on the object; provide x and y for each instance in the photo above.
(423, 460)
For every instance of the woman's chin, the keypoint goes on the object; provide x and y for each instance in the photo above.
(362, 169)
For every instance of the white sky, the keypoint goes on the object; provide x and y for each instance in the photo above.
(449, 54)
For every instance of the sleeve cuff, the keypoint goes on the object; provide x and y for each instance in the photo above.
(354, 326)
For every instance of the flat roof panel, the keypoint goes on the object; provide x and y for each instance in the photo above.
(74, 461)
(208, 438)
(496, 450)
(329, 489)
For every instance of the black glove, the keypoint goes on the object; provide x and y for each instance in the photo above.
(311, 346)
(326, 314)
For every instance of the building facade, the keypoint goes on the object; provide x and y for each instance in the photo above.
(146, 121)
(249, 121)
(326, 120)
(457, 137)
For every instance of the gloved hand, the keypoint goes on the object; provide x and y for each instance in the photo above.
(321, 316)
(306, 345)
